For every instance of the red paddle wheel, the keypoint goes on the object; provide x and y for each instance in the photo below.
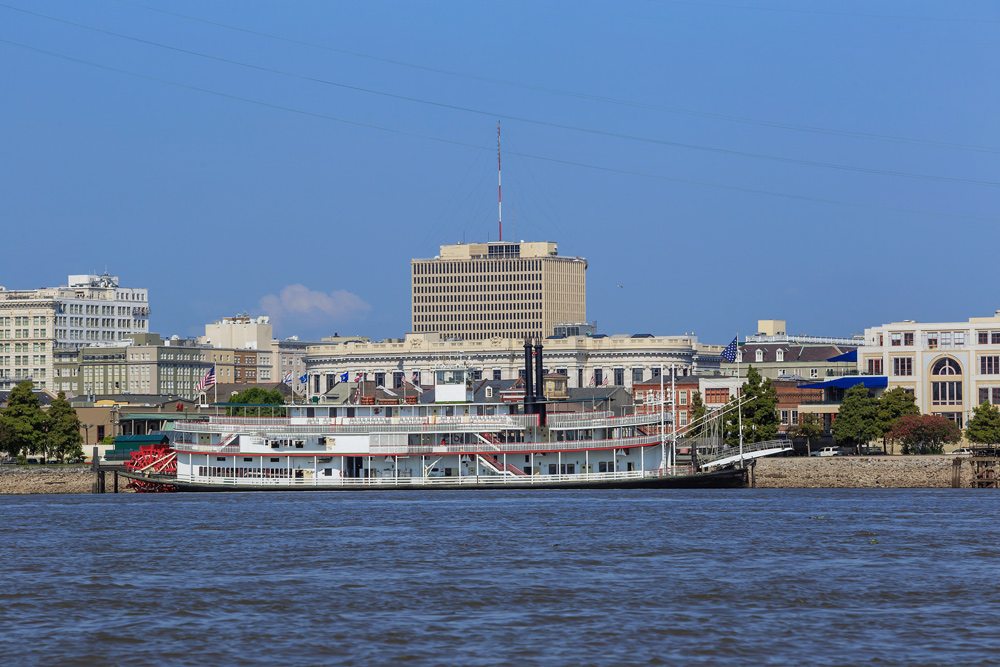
(157, 460)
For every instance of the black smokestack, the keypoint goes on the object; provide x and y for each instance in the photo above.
(529, 389)
(540, 386)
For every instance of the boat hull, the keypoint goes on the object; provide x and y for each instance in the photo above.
(719, 479)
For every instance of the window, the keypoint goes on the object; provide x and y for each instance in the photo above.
(932, 341)
(990, 395)
(496, 374)
(874, 367)
(759, 355)
(989, 365)
(995, 338)
(716, 395)
(779, 355)
(813, 372)
(619, 377)
(895, 339)
(682, 398)
(598, 377)
(784, 417)
(946, 366)
(636, 375)
(947, 392)
(908, 338)
(902, 366)
(489, 392)
(983, 337)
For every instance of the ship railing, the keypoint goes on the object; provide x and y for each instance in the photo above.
(557, 418)
(270, 422)
(470, 480)
(517, 447)
(609, 421)
(327, 428)
(748, 448)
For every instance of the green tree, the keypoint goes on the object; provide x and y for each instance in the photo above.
(925, 434)
(760, 411)
(64, 439)
(809, 427)
(24, 422)
(257, 396)
(984, 427)
(697, 411)
(857, 422)
(892, 405)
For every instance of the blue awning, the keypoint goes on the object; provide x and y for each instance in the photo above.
(851, 355)
(848, 381)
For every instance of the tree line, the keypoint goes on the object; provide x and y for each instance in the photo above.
(26, 429)
(893, 419)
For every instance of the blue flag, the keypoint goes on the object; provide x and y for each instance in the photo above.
(303, 379)
(729, 354)
(343, 377)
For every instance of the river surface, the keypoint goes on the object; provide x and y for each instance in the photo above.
(761, 576)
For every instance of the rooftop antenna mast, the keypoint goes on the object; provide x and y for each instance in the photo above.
(499, 189)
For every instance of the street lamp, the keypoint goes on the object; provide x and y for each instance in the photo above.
(86, 428)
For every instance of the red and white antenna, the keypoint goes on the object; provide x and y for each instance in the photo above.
(499, 188)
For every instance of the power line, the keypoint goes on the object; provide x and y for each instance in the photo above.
(830, 12)
(523, 119)
(731, 118)
(453, 142)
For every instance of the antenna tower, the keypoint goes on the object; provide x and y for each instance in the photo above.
(499, 188)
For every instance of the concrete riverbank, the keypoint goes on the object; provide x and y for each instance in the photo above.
(858, 472)
(16, 479)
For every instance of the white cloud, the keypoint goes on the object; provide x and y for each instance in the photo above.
(297, 305)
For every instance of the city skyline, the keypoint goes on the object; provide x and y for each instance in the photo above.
(245, 159)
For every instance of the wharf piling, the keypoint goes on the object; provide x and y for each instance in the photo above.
(100, 474)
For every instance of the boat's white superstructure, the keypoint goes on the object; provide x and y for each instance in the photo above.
(418, 444)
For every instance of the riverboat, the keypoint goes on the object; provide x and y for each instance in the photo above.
(446, 440)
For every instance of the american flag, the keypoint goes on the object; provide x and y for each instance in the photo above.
(729, 354)
(208, 380)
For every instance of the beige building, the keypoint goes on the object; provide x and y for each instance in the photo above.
(587, 361)
(951, 367)
(249, 353)
(502, 290)
(88, 310)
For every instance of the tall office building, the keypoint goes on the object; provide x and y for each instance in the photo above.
(88, 310)
(497, 290)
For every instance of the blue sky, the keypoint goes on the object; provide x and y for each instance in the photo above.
(834, 164)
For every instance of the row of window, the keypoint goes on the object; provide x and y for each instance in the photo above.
(23, 320)
(476, 266)
(903, 366)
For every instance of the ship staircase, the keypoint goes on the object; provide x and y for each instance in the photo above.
(493, 462)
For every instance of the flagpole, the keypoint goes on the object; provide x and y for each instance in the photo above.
(663, 428)
(739, 398)
(215, 385)
(673, 411)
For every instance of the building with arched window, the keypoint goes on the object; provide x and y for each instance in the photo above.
(951, 367)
